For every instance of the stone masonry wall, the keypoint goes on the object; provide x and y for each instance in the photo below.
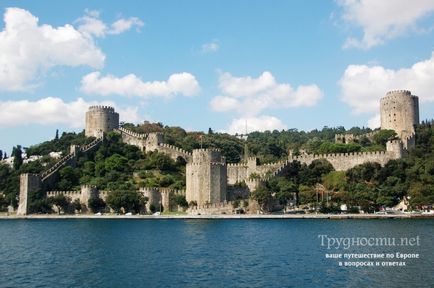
(100, 119)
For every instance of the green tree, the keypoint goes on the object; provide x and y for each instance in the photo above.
(129, 201)
(178, 199)
(286, 193)
(61, 202)
(76, 205)
(18, 159)
(96, 204)
(263, 196)
(3, 203)
(382, 136)
(69, 177)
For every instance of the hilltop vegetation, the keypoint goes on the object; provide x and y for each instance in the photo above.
(120, 167)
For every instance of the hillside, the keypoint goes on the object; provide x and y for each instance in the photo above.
(118, 166)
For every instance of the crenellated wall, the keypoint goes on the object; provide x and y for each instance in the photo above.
(132, 138)
(159, 196)
(345, 161)
(347, 138)
(174, 152)
(153, 142)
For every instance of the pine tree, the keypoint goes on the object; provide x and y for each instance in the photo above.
(1, 155)
(57, 135)
(18, 158)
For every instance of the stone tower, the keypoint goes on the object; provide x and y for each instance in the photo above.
(206, 177)
(400, 112)
(100, 119)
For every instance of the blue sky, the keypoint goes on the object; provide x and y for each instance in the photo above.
(200, 64)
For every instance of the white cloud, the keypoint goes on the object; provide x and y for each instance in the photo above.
(261, 123)
(131, 85)
(123, 25)
(374, 122)
(52, 110)
(250, 96)
(28, 50)
(223, 103)
(210, 47)
(362, 86)
(92, 25)
(383, 20)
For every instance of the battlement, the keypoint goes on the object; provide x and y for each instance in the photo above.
(237, 165)
(100, 119)
(132, 133)
(175, 148)
(72, 194)
(91, 145)
(218, 163)
(207, 150)
(392, 92)
(101, 108)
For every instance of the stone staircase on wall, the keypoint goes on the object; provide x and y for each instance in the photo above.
(68, 160)
(143, 142)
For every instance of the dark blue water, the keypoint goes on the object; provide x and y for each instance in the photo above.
(204, 253)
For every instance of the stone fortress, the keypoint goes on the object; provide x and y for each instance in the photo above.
(210, 181)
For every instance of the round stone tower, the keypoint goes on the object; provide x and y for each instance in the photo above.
(400, 112)
(100, 119)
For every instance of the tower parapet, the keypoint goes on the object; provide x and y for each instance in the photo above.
(100, 119)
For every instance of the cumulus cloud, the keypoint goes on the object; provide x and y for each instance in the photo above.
(210, 47)
(250, 96)
(91, 24)
(29, 49)
(53, 110)
(374, 122)
(362, 86)
(383, 20)
(131, 85)
(260, 123)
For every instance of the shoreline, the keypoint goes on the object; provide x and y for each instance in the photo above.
(218, 217)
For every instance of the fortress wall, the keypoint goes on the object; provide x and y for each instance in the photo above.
(73, 195)
(253, 184)
(49, 177)
(269, 167)
(234, 193)
(173, 152)
(133, 140)
(212, 209)
(28, 183)
(345, 161)
(236, 173)
(91, 146)
(153, 140)
(218, 182)
(159, 195)
(346, 138)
